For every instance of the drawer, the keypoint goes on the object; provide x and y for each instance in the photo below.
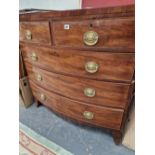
(94, 65)
(86, 90)
(35, 32)
(84, 113)
(99, 33)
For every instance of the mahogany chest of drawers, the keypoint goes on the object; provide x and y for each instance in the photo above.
(80, 63)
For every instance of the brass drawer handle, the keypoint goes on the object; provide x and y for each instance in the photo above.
(89, 92)
(28, 35)
(39, 77)
(34, 56)
(88, 115)
(43, 97)
(91, 67)
(90, 38)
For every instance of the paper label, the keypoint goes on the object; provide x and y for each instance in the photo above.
(66, 26)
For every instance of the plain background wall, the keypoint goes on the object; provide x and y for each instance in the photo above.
(105, 3)
(50, 4)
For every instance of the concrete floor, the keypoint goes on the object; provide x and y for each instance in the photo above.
(80, 140)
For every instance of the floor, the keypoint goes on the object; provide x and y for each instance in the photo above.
(77, 139)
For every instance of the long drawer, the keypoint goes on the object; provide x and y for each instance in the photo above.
(99, 33)
(86, 90)
(95, 115)
(93, 65)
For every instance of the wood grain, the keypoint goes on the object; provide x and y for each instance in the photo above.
(112, 66)
(108, 94)
(61, 56)
(112, 33)
(91, 13)
(104, 117)
(40, 32)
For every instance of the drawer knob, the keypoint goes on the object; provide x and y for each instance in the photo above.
(90, 38)
(34, 56)
(43, 97)
(88, 115)
(89, 92)
(28, 35)
(91, 67)
(39, 77)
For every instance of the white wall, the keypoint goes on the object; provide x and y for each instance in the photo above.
(50, 4)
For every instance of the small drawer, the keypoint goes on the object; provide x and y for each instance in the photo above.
(85, 90)
(94, 65)
(100, 33)
(35, 32)
(79, 111)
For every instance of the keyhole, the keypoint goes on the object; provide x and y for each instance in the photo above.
(91, 25)
(25, 84)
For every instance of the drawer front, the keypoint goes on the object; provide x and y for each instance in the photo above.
(35, 32)
(95, 115)
(94, 65)
(111, 33)
(86, 90)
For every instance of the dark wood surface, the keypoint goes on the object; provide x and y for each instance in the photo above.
(61, 55)
(73, 87)
(40, 32)
(104, 117)
(112, 66)
(108, 12)
(111, 32)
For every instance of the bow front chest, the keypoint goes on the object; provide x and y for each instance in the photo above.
(80, 63)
